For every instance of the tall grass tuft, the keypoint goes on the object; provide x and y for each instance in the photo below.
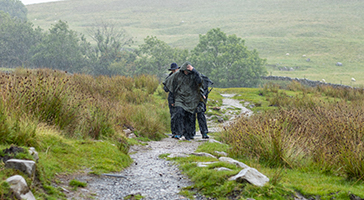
(305, 132)
(82, 106)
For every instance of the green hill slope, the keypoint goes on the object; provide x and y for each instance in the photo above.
(326, 31)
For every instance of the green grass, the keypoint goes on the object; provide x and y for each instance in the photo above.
(76, 183)
(290, 181)
(326, 31)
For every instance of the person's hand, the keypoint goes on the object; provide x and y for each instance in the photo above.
(172, 104)
(189, 67)
(204, 97)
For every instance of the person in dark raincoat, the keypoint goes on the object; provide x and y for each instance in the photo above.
(174, 68)
(185, 85)
(201, 107)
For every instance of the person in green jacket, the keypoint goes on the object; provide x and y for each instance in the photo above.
(186, 86)
(174, 68)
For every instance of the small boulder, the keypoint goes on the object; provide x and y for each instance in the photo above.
(252, 176)
(177, 155)
(204, 164)
(232, 161)
(223, 169)
(20, 188)
(26, 166)
(221, 153)
(129, 133)
(34, 153)
(203, 154)
(214, 141)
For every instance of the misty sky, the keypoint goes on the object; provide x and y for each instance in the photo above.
(27, 2)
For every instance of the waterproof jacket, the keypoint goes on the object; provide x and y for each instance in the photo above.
(185, 88)
(170, 94)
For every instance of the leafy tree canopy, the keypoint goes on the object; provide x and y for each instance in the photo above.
(16, 40)
(111, 43)
(15, 8)
(155, 57)
(227, 61)
(60, 49)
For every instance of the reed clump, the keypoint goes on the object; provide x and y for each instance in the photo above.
(81, 106)
(320, 129)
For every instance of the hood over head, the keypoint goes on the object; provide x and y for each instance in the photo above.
(184, 66)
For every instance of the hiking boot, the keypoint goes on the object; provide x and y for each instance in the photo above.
(204, 136)
(177, 137)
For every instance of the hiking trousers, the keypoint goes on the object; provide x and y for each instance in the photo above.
(184, 123)
(172, 110)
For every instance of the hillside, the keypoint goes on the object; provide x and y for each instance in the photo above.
(326, 31)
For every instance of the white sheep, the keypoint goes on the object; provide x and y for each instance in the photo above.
(323, 80)
(353, 79)
(287, 54)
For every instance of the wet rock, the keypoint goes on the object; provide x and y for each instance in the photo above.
(221, 153)
(177, 155)
(213, 140)
(26, 166)
(129, 133)
(252, 176)
(34, 153)
(203, 154)
(223, 169)
(20, 188)
(232, 161)
(204, 164)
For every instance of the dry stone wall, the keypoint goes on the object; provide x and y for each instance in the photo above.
(304, 81)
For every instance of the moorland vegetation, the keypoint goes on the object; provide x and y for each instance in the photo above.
(67, 115)
(80, 96)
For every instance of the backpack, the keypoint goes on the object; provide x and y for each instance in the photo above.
(206, 83)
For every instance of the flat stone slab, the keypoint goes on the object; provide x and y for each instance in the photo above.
(204, 164)
(177, 155)
(26, 166)
(203, 154)
(223, 169)
(232, 161)
(251, 175)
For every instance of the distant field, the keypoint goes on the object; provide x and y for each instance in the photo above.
(326, 31)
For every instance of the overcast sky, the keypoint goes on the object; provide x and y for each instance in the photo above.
(27, 2)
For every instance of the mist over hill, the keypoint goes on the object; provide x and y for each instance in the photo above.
(287, 33)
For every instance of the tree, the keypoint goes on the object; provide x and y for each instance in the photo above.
(110, 47)
(227, 61)
(155, 56)
(15, 8)
(16, 40)
(59, 49)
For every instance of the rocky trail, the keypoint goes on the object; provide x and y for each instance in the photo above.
(149, 175)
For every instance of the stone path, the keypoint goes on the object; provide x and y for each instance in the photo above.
(150, 176)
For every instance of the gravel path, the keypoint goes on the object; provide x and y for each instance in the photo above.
(149, 176)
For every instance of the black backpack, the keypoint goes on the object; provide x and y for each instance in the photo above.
(206, 84)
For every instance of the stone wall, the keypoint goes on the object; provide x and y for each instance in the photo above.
(304, 81)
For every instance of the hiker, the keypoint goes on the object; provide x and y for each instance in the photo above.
(201, 107)
(174, 68)
(185, 85)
